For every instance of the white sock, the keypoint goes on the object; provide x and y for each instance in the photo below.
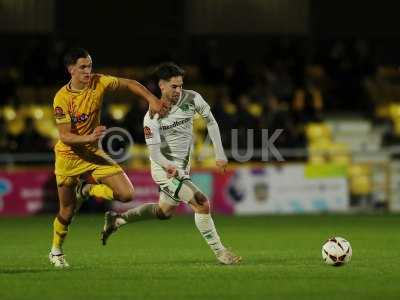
(56, 251)
(205, 225)
(120, 221)
(142, 212)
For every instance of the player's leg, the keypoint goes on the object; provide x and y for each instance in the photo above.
(123, 191)
(66, 195)
(111, 184)
(114, 187)
(146, 211)
(120, 185)
(84, 190)
(192, 195)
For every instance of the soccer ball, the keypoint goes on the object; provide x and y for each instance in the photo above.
(336, 251)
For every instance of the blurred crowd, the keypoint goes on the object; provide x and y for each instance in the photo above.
(297, 82)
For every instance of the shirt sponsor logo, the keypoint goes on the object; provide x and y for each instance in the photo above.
(175, 124)
(59, 113)
(147, 132)
(79, 118)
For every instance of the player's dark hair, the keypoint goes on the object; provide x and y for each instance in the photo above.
(167, 70)
(71, 57)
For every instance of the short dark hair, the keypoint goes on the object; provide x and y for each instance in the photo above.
(167, 70)
(71, 57)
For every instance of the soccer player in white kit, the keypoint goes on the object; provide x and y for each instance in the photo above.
(169, 137)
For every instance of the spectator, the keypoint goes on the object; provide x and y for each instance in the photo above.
(226, 114)
(276, 117)
(307, 105)
(240, 80)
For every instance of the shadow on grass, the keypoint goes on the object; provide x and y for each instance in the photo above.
(26, 271)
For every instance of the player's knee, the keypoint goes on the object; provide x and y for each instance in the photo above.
(161, 215)
(125, 195)
(67, 213)
(200, 198)
(203, 205)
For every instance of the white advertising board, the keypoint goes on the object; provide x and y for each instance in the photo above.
(286, 190)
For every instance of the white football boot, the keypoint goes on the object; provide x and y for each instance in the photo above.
(227, 257)
(58, 260)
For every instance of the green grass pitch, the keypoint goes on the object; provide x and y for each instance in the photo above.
(170, 260)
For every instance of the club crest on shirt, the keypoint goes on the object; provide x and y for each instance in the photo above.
(59, 113)
(147, 132)
(184, 107)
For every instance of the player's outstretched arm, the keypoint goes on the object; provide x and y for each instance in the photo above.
(213, 131)
(141, 91)
(69, 138)
(203, 109)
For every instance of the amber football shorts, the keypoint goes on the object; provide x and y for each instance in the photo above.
(68, 170)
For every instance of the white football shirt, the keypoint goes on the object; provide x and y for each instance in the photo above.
(175, 131)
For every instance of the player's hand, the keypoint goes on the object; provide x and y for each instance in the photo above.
(97, 134)
(160, 106)
(221, 165)
(172, 171)
(156, 106)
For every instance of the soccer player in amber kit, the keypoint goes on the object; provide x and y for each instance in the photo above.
(77, 108)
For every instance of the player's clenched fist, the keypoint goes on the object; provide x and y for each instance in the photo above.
(221, 165)
(97, 133)
(171, 171)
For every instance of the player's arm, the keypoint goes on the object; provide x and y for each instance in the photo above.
(138, 89)
(69, 138)
(213, 132)
(160, 159)
(203, 109)
(153, 142)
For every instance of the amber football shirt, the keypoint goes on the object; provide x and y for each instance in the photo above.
(81, 109)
